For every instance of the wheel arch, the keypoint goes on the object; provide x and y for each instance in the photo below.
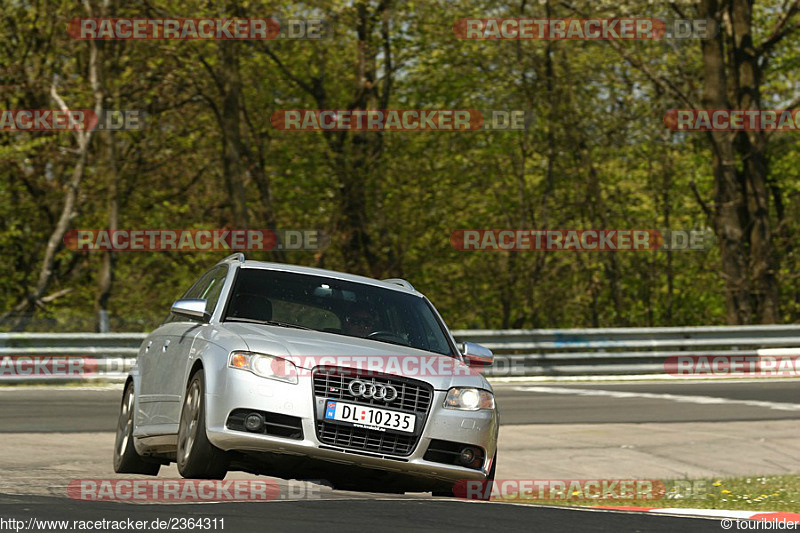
(132, 379)
(210, 357)
(196, 365)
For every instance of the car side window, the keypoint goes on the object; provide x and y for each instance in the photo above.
(200, 286)
(195, 291)
(213, 290)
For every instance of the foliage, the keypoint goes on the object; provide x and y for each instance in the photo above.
(595, 154)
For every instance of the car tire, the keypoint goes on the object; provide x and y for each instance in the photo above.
(126, 459)
(197, 458)
(486, 485)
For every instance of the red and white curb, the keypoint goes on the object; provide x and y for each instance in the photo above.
(713, 513)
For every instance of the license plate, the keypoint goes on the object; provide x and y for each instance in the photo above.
(371, 417)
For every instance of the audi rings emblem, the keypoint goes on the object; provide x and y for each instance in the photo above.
(368, 390)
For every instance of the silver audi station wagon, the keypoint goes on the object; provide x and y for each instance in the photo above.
(303, 373)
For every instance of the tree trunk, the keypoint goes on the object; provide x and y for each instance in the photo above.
(741, 213)
(232, 168)
(752, 152)
(106, 276)
(23, 312)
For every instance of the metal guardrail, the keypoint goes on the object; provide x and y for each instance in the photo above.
(96, 356)
(538, 352)
(619, 351)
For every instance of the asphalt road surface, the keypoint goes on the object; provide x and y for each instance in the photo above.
(604, 403)
(360, 515)
(79, 410)
(37, 419)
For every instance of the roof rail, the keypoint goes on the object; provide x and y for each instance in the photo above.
(399, 281)
(237, 256)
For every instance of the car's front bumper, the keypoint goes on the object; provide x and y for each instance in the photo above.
(243, 390)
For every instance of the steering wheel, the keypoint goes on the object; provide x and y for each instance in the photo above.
(384, 333)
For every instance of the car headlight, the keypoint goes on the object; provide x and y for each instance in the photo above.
(468, 399)
(265, 366)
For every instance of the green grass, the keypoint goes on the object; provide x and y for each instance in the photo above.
(754, 493)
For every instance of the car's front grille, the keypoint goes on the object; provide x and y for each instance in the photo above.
(331, 383)
(412, 396)
(365, 439)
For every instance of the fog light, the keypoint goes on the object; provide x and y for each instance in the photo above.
(467, 456)
(254, 422)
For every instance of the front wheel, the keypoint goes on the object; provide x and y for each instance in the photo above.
(126, 460)
(197, 457)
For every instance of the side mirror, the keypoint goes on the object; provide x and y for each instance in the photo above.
(477, 355)
(194, 308)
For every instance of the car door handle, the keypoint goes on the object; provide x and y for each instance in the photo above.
(166, 345)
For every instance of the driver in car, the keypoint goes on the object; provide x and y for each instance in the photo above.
(359, 323)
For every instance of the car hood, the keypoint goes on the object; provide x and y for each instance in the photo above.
(307, 349)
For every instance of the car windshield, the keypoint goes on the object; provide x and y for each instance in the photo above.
(334, 306)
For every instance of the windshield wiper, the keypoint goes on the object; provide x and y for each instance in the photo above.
(391, 342)
(268, 323)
